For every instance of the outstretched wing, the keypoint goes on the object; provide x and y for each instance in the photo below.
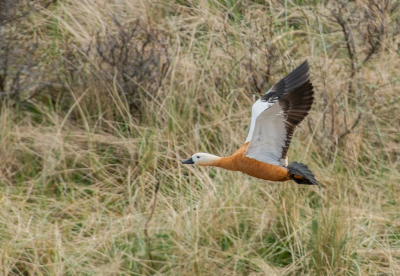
(276, 115)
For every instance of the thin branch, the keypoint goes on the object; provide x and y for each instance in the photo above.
(352, 128)
(343, 23)
(253, 73)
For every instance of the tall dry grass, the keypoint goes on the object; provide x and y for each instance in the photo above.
(101, 100)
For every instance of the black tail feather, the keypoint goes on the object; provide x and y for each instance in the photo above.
(300, 174)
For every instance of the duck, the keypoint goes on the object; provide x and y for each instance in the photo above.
(274, 118)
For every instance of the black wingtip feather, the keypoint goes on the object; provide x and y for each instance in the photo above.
(299, 169)
(294, 79)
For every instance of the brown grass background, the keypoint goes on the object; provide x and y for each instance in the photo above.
(101, 100)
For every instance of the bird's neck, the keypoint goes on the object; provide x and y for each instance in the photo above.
(226, 163)
(231, 162)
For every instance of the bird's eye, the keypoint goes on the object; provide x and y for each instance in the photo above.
(198, 156)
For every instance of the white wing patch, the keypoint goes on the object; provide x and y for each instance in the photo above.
(268, 134)
(258, 107)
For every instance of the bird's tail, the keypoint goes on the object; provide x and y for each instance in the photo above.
(300, 174)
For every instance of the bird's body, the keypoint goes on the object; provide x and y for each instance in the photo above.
(274, 119)
(240, 162)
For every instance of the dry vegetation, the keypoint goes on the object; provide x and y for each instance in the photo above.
(101, 100)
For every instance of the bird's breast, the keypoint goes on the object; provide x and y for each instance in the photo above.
(262, 170)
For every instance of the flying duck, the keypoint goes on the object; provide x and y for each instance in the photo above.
(274, 118)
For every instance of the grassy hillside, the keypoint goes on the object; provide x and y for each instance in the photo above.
(102, 100)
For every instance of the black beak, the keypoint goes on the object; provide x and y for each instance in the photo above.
(189, 161)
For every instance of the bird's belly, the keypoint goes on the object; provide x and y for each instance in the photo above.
(239, 162)
(264, 170)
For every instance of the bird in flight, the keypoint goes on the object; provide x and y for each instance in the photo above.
(273, 120)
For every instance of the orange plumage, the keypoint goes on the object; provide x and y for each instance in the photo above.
(239, 162)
